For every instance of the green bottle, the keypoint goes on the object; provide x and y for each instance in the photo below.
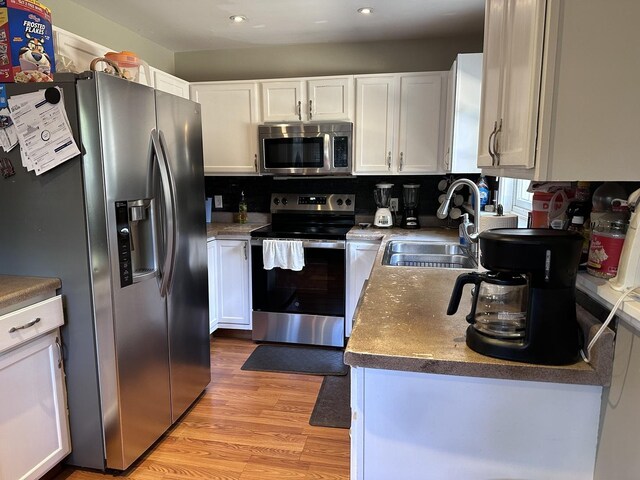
(242, 209)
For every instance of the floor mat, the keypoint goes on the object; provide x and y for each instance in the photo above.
(297, 359)
(332, 408)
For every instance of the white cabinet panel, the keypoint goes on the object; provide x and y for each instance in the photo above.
(282, 101)
(212, 264)
(314, 99)
(169, 83)
(414, 426)
(547, 113)
(374, 126)
(229, 126)
(34, 430)
(399, 121)
(360, 260)
(463, 114)
(233, 283)
(419, 136)
(80, 50)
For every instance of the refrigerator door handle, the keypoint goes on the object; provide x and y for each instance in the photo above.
(170, 212)
(176, 231)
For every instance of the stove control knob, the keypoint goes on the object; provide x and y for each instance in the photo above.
(339, 202)
(276, 200)
(284, 201)
(348, 202)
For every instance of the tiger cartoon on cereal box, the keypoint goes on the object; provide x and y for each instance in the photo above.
(26, 42)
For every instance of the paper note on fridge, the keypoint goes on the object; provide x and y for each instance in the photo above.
(43, 130)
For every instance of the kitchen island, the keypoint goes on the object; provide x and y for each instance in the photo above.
(426, 406)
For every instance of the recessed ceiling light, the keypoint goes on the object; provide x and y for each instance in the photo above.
(365, 10)
(238, 18)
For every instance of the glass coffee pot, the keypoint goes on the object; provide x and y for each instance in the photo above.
(499, 304)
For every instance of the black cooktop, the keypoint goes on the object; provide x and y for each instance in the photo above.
(316, 232)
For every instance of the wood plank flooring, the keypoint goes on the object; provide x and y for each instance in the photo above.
(247, 426)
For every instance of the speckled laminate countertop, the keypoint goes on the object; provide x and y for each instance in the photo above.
(401, 324)
(16, 290)
(219, 228)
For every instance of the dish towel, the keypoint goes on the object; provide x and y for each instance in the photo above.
(286, 254)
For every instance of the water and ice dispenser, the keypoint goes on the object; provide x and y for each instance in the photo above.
(136, 240)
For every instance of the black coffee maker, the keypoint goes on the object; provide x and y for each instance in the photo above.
(524, 306)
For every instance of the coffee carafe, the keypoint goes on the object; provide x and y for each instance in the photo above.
(410, 203)
(524, 306)
(382, 196)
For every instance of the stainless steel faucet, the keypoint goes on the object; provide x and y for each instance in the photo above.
(443, 211)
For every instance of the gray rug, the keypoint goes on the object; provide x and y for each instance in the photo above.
(297, 359)
(332, 408)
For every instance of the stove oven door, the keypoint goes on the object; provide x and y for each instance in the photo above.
(301, 307)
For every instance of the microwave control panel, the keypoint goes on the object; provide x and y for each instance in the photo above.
(341, 152)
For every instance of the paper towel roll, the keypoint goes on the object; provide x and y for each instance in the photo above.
(491, 220)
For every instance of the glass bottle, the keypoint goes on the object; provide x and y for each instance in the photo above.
(242, 209)
(607, 239)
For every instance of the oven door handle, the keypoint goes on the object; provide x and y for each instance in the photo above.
(306, 243)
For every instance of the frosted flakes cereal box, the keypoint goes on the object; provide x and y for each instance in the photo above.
(26, 42)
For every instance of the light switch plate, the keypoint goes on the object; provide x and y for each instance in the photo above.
(393, 205)
(217, 201)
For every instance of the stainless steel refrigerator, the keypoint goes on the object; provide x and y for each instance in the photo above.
(123, 226)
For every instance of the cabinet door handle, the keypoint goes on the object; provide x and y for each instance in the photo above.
(26, 325)
(310, 109)
(255, 161)
(495, 144)
(59, 345)
(389, 161)
(299, 110)
(244, 246)
(491, 135)
(401, 161)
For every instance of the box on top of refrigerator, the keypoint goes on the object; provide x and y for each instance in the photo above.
(26, 42)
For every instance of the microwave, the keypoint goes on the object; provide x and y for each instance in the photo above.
(306, 148)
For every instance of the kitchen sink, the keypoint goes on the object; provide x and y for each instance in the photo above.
(404, 253)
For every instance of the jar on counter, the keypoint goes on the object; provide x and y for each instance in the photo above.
(607, 239)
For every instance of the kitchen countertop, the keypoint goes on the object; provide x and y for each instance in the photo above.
(401, 324)
(18, 290)
(229, 229)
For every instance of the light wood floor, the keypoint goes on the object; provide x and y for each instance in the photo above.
(247, 426)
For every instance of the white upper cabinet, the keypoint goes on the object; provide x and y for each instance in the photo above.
(169, 83)
(76, 49)
(314, 99)
(552, 108)
(398, 123)
(463, 114)
(229, 126)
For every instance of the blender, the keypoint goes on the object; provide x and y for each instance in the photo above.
(382, 196)
(410, 202)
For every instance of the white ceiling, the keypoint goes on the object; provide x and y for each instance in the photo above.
(190, 25)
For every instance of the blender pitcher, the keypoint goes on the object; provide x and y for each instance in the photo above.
(499, 305)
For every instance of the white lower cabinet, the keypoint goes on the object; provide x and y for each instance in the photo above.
(34, 429)
(229, 304)
(360, 258)
(212, 262)
(417, 426)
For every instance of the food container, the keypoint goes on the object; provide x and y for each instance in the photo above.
(128, 63)
(26, 42)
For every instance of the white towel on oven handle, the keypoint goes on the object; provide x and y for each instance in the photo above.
(286, 254)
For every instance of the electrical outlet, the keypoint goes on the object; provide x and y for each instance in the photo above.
(217, 201)
(393, 205)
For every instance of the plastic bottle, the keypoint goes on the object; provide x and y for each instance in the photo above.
(463, 225)
(484, 192)
(242, 209)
